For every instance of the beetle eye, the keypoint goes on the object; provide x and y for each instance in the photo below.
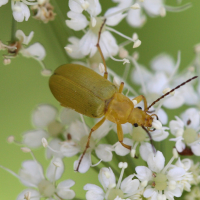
(136, 125)
(139, 108)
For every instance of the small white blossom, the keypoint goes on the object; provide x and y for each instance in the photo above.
(136, 17)
(31, 175)
(163, 182)
(186, 132)
(87, 44)
(111, 190)
(140, 137)
(78, 135)
(44, 119)
(153, 83)
(21, 11)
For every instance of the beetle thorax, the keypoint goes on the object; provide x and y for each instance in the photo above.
(140, 117)
(118, 109)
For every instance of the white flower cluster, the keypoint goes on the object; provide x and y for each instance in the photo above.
(21, 10)
(155, 182)
(35, 51)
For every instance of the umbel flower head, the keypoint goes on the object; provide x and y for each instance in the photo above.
(87, 44)
(39, 186)
(160, 181)
(186, 131)
(111, 190)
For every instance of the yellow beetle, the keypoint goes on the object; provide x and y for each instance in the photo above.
(83, 90)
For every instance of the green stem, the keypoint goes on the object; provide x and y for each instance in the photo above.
(13, 30)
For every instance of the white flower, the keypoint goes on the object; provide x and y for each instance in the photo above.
(195, 169)
(154, 83)
(21, 11)
(112, 190)
(73, 48)
(186, 132)
(136, 17)
(188, 176)
(44, 119)
(35, 51)
(87, 44)
(162, 181)
(31, 175)
(76, 142)
(3, 2)
(139, 136)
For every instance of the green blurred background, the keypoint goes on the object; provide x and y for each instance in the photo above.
(22, 87)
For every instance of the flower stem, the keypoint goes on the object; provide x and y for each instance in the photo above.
(13, 30)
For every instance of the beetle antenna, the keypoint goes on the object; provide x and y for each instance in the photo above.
(171, 91)
(151, 140)
(99, 49)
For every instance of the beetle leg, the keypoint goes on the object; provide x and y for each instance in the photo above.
(99, 49)
(121, 87)
(120, 136)
(94, 128)
(140, 98)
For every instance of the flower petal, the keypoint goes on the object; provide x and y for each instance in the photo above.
(23, 38)
(3, 2)
(85, 163)
(129, 185)
(31, 173)
(108, 44)
(143, 173)
(175, 101)
(136, 18)
(191, 118)
(104, 152)
(88, 44)
(156, 162)
(164, 63)
(153, 7)
(94, 192)
(69, 148)
(145, 150)
(20, 11)
(159, 135)
(94, 7)
(75, 7)
(54, 144)
(150, 192)
(106, 177)
(36, 51)
(122, 151)
(196, 149)
(176, 126)
(77, 21)
(35, 195)
(176, 173)
(43, 115)
(75, 48)
(67, 116)
(102, 131)
(50, 173)
(115, 19)
(63, 189)
(33, 138)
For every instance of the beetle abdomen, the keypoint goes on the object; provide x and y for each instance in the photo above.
(81, 89)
